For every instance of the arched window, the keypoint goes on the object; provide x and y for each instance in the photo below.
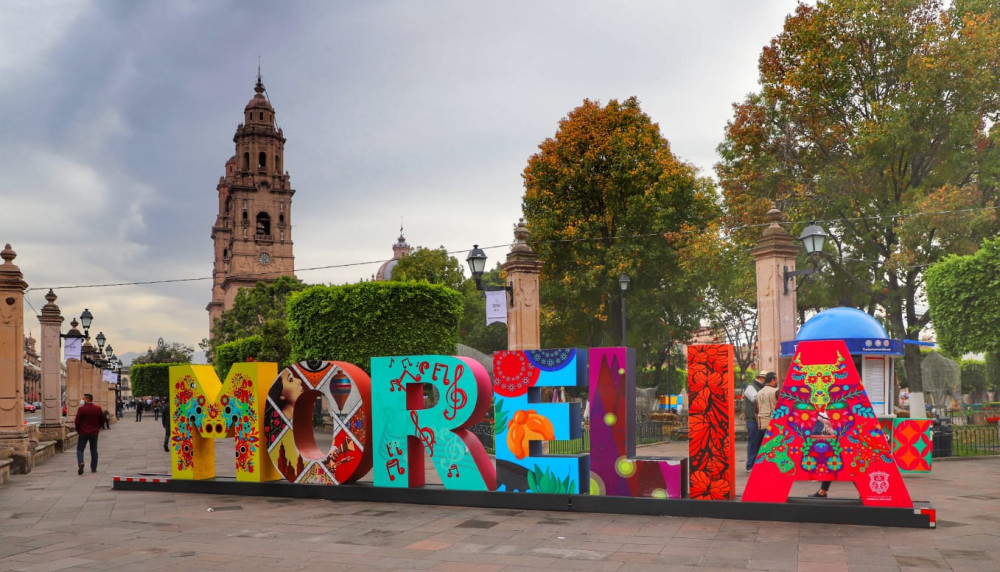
(246, 161)
(264, 224)
(262, 160)
(262, 116)
(281, 219)
(246, 219)
(225, 254)
(277, 164)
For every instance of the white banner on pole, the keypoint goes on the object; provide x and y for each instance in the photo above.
(109, 376)
(496, 306)
(72, 348)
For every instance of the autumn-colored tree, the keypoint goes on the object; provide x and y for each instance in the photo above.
(877, 119)
(605, 197)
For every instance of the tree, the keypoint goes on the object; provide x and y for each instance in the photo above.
(964, 297)
(433, 265)
(173, 352)
(436, 266)
(258, 311)
(871, 115)
(605, 197)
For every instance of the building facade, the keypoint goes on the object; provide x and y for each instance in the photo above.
(252, 234)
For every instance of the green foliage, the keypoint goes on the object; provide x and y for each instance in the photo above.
(499, 415)
(604, 197)
(166, 353)
(993, 371)
(432, 265)
(973, 378)
(237, 352)
(546, 482)
(878, 118)
(150, 379)
(964, 297)
(357, 322)
(258, 311)
(473, 330)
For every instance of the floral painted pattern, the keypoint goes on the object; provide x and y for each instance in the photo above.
(711, 422)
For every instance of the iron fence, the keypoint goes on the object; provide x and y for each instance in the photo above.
(966, 441)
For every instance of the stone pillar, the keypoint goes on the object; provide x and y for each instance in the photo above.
(14, 435)
(52, 428)
(74, 379)
(776, 311)
(523, 319)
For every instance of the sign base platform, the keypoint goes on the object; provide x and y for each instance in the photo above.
(822, 511)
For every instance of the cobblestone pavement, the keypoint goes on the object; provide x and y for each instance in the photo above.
(54, 519)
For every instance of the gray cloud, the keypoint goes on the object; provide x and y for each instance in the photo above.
(120, 118)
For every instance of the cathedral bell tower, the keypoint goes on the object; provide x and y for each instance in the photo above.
(253, 231)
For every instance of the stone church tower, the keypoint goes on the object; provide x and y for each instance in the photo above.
(253, 231)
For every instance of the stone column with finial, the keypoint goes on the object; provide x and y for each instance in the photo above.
(52, 428)
(776, 311)
(524, 318)
(14, 435)
(74, 379)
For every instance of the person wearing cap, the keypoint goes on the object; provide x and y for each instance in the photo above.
(750, 416)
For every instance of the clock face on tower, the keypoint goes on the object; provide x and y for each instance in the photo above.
(264, 258)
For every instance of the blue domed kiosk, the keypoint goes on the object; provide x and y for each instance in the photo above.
(870, 346)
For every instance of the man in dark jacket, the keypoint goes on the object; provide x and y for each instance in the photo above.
(88, 422)
(165, 418)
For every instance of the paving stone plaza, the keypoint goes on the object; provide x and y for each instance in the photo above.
(54, 519)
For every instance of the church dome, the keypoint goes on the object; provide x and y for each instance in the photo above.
(839, 324)
(399, 250)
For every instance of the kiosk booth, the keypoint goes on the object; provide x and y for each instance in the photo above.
(870, 347)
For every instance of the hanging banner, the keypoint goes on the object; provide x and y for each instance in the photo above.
(109, 376)
(496, 306)
(72, 348)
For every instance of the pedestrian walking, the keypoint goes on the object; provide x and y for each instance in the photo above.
(156, 411)
(88, 421)
(165, 419)
(138, 410)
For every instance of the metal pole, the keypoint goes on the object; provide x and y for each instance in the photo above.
(623, 318)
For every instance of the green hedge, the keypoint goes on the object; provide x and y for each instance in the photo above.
(973, 377)
(236, 352)
(993, 371)
(357, 322)
(150, 379)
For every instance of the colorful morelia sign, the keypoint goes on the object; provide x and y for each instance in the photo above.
(822, 378)
(288, 422)
(204, 409)
(912, 444)
(522, 422)
(614, 468)
(404, 429)
(711, 422)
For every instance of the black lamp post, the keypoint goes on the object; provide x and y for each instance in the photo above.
(85, 320)
(812, 238)
(477, 264)
(623, 282)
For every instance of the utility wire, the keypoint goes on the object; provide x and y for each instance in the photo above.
(555, 241)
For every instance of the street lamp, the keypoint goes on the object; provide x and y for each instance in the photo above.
(812, 239)
(109, 351)
(101, 340)
(623, 282)
(85, 319)
(477, 264)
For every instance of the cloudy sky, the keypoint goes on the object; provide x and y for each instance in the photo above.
(118, 118)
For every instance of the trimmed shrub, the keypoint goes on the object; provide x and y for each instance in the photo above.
(973, 378)
(236, 352)
(150, 379)
(356, 322)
